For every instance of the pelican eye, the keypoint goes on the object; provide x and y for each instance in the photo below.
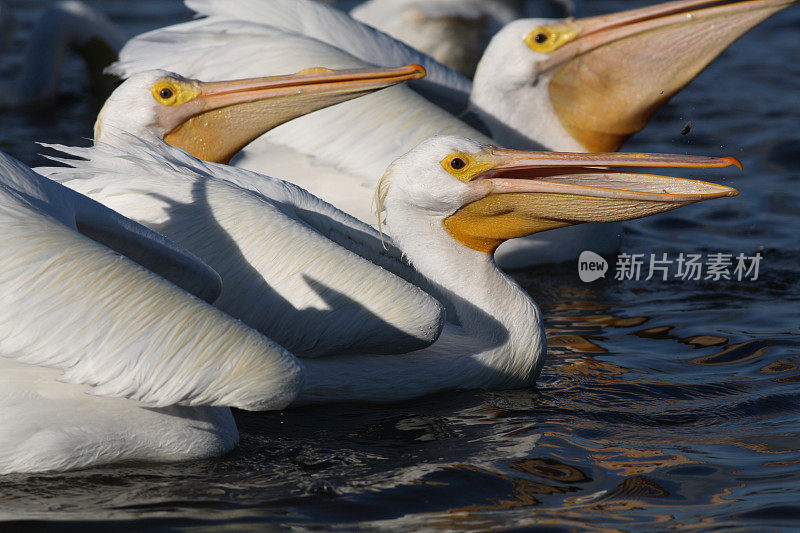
(546, 39)
(464, 166)
(171, 91)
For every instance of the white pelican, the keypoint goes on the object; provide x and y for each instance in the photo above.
(65, 26)
(76, 317)
(449, 203)
(454, 32)
(290, 263)
(594, 82)
(528, 93)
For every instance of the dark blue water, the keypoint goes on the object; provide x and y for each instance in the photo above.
(663, 404)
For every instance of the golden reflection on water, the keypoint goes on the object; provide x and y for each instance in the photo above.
(592, 367)
(705, 341)
(605, 510)
(575, 343)
(778, 367)
(624, 461)
(658, 332)
(734, 353)
(630, 461)
(781, 366)
(778, 444)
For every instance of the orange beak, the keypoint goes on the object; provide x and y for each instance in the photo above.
(609, 74)
(527, 192)
(225, 116)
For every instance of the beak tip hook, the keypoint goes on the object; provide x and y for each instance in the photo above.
(735, 162)
(420, 71)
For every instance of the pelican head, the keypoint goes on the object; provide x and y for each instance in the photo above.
(214, 120)
(596, 81)
(482, 195)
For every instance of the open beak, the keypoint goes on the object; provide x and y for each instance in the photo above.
(528, 192)
(611, 73)
(225, 116)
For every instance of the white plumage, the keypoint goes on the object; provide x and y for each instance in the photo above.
(78, 317)
(291, 265)
(494, 337)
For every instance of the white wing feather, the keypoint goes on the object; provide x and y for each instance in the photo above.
(330, 25)
(138, 243)
(281, 274)
(70, 303)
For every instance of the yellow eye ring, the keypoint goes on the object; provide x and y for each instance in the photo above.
(464, 166)
(164, 92)
(458, 165)
(173, 92)
(546, 39)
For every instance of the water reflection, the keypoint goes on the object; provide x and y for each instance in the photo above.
(735, 353)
